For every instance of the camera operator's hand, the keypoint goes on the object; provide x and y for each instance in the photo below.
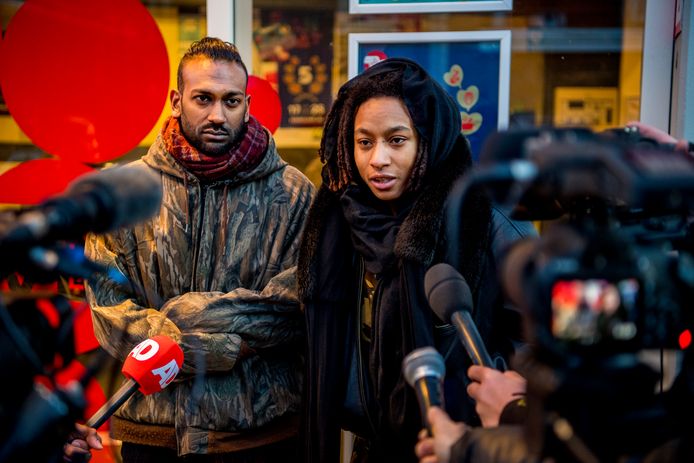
(658, 135)
(651, 132)
(493, 390)
(80, 442)
(437, 449)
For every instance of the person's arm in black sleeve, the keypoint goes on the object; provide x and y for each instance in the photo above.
(457, 443)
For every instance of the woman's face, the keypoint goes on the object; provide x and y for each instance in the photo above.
(385, 146)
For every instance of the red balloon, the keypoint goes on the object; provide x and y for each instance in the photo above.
(33, 181)
(85, 80)
(265, 103)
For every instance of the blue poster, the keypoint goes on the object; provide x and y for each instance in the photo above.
(469, 71)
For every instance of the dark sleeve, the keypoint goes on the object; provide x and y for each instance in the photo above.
(505, 444)
(504, 234)
(506, 231)
(514, 412)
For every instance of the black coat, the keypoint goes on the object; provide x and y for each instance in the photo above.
(328, 287)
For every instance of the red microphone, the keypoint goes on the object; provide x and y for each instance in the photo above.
(149, 367)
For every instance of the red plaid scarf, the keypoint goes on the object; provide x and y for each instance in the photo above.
(243, 156)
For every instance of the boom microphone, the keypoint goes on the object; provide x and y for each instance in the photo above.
(97, 202)
(450, 298)
(150, 367)
(424, 370)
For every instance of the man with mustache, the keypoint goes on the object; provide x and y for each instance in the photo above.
(215, 271)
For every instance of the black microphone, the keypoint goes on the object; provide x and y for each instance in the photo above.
(450, 298)
(424, 370)
(97, 202)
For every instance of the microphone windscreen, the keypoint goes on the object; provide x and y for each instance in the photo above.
(123, 196)
(423, 362)
(153, 363)
(447, 291)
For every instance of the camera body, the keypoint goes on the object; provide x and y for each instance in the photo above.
(609, 280)
(598, 290)
(613, 269)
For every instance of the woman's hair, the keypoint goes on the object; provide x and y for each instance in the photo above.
(344, 114)
(434, 113)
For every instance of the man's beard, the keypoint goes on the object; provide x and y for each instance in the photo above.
(210, 149)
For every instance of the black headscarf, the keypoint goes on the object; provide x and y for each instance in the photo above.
(435, 115)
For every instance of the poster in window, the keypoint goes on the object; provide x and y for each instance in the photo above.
(472, 66)
(295, 47)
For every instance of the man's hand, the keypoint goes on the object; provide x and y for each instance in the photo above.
(437, 448)
(80, 442)
(493, 390)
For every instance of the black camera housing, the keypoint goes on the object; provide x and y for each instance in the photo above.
(611, 277)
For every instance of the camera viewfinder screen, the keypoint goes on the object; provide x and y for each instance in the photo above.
(587, 311)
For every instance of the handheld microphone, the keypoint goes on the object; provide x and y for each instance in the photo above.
(424, 370)
(450, 298)
(150, 367)
(96, 202)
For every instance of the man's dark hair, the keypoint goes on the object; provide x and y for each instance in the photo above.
(211, 48)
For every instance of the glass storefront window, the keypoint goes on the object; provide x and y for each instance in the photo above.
(571, 63)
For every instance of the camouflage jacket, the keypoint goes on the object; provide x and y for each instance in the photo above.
(214, 270)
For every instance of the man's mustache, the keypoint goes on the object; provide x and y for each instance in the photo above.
(215, 128)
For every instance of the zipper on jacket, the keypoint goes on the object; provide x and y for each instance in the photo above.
(360, 365)
(198, 237)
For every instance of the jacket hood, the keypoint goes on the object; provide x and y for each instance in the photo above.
(158, 158)
(436, 116)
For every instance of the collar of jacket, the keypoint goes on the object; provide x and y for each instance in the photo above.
(419, 235)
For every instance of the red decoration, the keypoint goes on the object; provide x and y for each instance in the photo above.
(33, 181)
(85, 341)
(265, 103)
(85, 80)
(93, 393)
(685, 339)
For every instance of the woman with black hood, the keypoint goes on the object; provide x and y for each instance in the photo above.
(391, 149)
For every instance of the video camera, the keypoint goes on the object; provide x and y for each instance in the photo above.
(614, 270)
(610, 280)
